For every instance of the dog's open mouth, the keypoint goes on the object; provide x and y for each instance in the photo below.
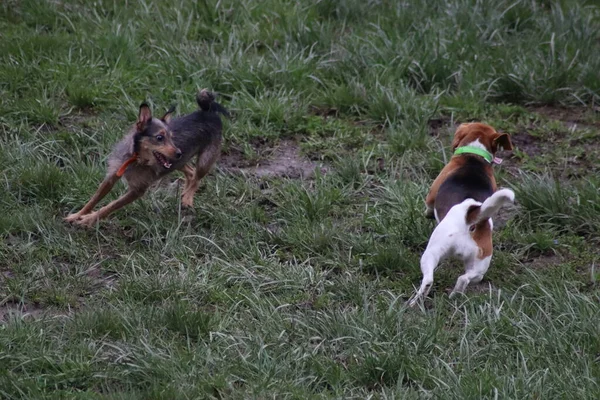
(162, 159)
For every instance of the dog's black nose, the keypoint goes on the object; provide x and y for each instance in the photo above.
(178, 154)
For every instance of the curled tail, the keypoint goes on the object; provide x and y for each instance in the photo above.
(206, 102)
(490, 206)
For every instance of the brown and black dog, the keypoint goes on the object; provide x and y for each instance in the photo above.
(463, 198)
(156, 147)
(467, 175)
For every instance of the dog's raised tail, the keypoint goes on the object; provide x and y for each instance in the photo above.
(206, 102)
(490, 206)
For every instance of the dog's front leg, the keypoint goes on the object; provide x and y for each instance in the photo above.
(92, 218)
(104, 188)
(190, 183)
(433, 191)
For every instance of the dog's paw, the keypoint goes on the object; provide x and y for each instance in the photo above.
(72, 217)
(413, 301)
(456, 294)
(187, 202)
(88, 220)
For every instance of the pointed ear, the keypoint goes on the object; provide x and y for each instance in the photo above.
(460, 134)
(167, 117)
(144, 117)
(502, 142)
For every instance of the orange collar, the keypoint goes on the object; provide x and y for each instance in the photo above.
(121, 170)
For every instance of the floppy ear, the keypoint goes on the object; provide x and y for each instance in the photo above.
(167, 117)
(144, 117)
(460, 134)
(503, 142)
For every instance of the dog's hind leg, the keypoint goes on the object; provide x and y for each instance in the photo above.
(429, 261)
(477, 265)
(205, 161)
(92, 218)
(439, 247)
(104, 188)
(475, 270)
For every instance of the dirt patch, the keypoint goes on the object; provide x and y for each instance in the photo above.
(571, 117)
(21, 310)
(523, 144)
(528, 144)
(30, 311)
(543, 261)
(566, 155)
(283, 160)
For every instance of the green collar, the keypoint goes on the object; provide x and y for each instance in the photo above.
(475, 150)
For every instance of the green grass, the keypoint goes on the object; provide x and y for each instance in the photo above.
(278, 287)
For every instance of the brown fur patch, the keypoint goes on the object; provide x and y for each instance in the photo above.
(482, 235)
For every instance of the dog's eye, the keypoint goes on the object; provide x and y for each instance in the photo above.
(160, 138)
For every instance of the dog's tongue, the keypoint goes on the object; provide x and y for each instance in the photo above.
(497, 160)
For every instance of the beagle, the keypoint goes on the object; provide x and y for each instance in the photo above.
(463, 198)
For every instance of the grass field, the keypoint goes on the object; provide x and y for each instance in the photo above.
(290, 277)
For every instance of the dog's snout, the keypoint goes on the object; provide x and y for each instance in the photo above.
(178, 154)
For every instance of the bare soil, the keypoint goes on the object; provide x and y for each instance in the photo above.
(571, 117)
(282, 160)
(20, 309)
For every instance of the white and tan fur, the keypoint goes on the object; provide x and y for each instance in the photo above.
(463, 198)
(454, 237)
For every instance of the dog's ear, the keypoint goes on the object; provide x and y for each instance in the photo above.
(144, 117)
(167, 117)
(460, 134)
(502, 142)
